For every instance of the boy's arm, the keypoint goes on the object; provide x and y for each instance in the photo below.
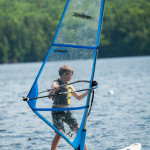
(77, 95)
(56, 86)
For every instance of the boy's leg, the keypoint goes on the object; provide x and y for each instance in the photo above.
(55, 141)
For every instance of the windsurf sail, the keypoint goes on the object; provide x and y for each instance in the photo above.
(75, 44)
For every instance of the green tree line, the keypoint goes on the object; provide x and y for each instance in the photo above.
(27, 28)
(126, 28)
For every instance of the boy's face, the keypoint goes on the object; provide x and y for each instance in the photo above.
(67, 76)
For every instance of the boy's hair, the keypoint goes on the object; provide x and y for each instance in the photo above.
(65, 69)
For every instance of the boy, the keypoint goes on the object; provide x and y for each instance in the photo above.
(62, 101)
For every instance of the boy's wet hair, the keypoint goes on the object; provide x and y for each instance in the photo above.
(65, 69)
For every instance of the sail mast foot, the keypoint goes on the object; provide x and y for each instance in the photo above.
(82, 142)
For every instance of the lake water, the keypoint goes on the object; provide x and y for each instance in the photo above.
(120, 114)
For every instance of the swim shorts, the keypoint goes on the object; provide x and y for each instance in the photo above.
(59, 117)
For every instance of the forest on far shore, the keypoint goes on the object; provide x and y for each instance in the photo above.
(27, 28)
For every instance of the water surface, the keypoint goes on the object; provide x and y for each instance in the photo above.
(116, 120)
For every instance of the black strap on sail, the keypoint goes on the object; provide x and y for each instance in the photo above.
(94, 83)
(91, 104)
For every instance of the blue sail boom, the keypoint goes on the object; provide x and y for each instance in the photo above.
(59, 109)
